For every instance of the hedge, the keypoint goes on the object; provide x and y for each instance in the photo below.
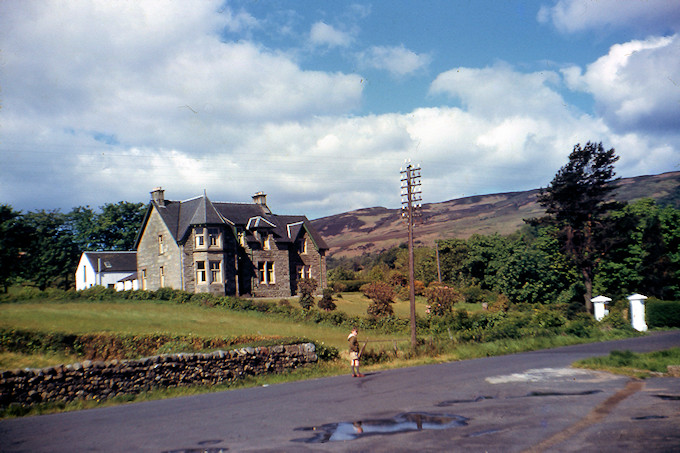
(663, 313)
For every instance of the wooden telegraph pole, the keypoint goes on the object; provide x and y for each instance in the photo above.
(410, 205)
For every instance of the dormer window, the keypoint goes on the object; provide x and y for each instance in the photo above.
(200, 237)
(213, 237)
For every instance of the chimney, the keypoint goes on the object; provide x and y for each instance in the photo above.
(261, 199)
(158, 196)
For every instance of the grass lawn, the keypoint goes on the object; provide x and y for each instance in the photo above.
(147, 317)
(633, 364)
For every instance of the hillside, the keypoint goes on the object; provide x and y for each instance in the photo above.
(372, 230)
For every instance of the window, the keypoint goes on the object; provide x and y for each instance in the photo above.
(160, 244)
(242, 238)
(267, 245)
(143, 278)
(200, 238)
(266, 271)
(305, 272)
(200, 272)
(215, 272)
(161, 272)
(303, 246)
(213, 237)
(84, 274)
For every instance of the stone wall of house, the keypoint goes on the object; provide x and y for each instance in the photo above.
(151, 258)
(102, 380)
(281, 287)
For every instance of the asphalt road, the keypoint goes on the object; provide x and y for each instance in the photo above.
(522, 402)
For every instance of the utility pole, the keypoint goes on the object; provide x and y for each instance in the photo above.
(410, 204)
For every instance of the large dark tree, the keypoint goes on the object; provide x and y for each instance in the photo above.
(52, 254)
(13, 242)
(577, 201)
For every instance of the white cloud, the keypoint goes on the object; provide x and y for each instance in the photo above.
(636, 86)
(398, 61)
(323, 34)
(501, 91)
(130, 96)
(573, 16)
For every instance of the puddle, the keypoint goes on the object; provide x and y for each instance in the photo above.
(483, 433)
(452, 402)
(201, 449)
(585, 392)
(402, 423)
(669, 397)
(198, 450)
(648, 417)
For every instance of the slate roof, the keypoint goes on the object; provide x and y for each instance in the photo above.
(113, 261)
(179, 216)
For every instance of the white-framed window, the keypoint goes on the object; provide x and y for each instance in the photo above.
(215, 272)
(303, 246)
(161, 249)
(162, 276)
(143, 278)
(266, 272)
(199, 234)
(201, 276)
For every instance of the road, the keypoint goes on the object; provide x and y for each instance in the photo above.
(522, 402)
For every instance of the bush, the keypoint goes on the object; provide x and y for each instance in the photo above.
(306, 289)
(662, 313)
(382, 298)
(326, 303)
(441, 299)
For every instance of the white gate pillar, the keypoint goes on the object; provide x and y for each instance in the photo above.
(637, 312)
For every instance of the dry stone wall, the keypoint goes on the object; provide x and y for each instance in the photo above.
(102, 380)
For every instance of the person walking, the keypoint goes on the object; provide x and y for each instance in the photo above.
(354, 352)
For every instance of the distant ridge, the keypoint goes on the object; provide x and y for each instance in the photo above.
(372, 230)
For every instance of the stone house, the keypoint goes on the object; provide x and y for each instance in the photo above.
(108, 269)
(226, 248)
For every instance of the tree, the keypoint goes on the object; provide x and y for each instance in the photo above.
(13, 242)
(577, 201)
(119, 223)
(646, 258)
(115, 228)
(52, 254)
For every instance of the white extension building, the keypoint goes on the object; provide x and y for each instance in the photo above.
(109, 269)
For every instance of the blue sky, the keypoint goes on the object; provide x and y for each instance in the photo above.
(318, 103)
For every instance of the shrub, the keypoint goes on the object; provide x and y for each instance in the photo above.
(662, 313)
(382, 298)
(326, 303)
(441, 299)
(306, 289)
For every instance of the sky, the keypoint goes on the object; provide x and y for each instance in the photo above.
(320, 103)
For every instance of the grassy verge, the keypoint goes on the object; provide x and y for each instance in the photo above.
(632, 364)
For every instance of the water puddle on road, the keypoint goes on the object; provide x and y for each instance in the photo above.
(649, 417)
(402, 423)
(669, 397)
(585, 392)
(474, 400)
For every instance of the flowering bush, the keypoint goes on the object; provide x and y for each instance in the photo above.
(382, 297)
(440, 300)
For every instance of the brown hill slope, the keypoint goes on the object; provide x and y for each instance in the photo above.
(372, 230)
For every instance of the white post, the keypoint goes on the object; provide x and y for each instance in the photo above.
(599, 308)
(637, 312)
